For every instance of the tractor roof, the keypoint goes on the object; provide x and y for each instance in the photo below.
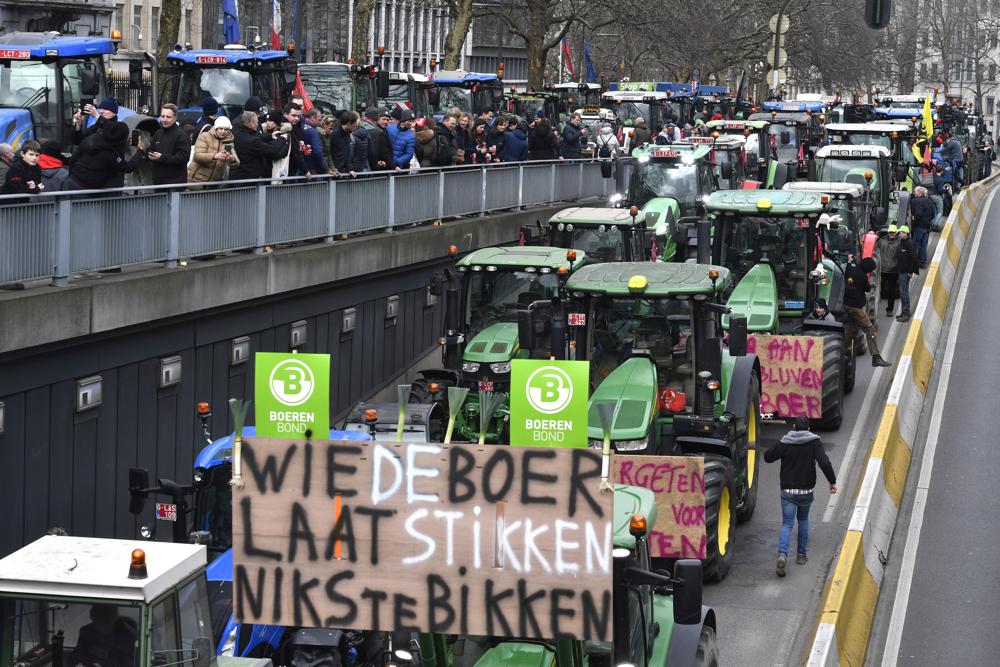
(863, 128)
(37, 45)
(461, 77)
(570, 85)
(782, 117)
(860, 151)
(724, 142)
(852, 190)
(765, 202)
(590, 215)
(795, 105)
(738, 124)
(519, 257)
(96, 568)
(651, 279)
(635, 96)
(228, 56)
(687, 152)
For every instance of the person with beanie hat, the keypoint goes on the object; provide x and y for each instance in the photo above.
(214, 153)
(257, 151)
(380, 153)
(54, 171)
(209, 112)
(103, 114)
(100, 161)
(401, 137)
(170, 149)
(856, 305)
(253, 103)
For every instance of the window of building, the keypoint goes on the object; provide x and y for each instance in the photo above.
(993, 73)
(187, 27)
(989, 106)
(135, 32)
(923, 70)
(934, 71)
(154, 27)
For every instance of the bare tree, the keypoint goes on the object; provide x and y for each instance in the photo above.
(170, 25)
(362, 22)
(461, 14)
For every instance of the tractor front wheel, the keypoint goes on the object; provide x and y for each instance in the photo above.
(720, 517)
(833, 383)
(749, 453)
(708, 649)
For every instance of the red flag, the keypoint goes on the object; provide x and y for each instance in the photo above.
(276, 24)
(301, 90)
(568, 58)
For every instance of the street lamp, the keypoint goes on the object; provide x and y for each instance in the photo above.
(137, 35)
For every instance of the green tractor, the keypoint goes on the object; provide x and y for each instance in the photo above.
(792, 138)
(758, 159)
(778, 246)
(604, 234)
(728, 157)
(869, 166)
(652, 332)
(483, 294)
(659, 618)
(891, 135)
(668, 184)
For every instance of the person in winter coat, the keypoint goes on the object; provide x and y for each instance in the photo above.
(573, 139)
(170, 149)
(402, 138)
(100, 161)
(908, 265)
(209, 112)
(358, 142)
(821, 311)
(426, 145)
(953, 152)
(516, 144)
(607, 142)
(496, 139)
(379, 145)
(105, 114)
(314, 157)
(799, 451)
(54, 171)
(887, 248)
(922, 212)
(446, 151)
(465, 133)
(25, 176)
(292, 115)
(327, 125)
(258, 152)
(214, 153)
(856, 289)
(642, 134)
(542, 144)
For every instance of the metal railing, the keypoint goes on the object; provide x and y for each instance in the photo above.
(57, 235)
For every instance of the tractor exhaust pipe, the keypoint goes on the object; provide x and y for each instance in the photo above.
(704, 241)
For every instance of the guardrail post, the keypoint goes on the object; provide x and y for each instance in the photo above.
(392, 204)
(580, 181)
(331, 205)
(440, 195)
(552, 182)
(520, 186)
(482, 194)
(173, 228)
(63, 243)
(261, 238)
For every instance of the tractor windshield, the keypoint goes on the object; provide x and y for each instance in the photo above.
(104, 634)
(229, 86)
(674, 179)
(836, 170)
(453, 96)
(496, 296)
(330, 88)
(632, 110)
(883, 140)
(778, 242)
(607, 245)
(784, 142)
(735, 162)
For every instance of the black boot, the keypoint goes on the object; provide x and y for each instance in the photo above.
(879, 362)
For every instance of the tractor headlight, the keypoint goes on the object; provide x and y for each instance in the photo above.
(470, 367)
(145, 532)
(629, 445)
(595, 444)
(229, 648)
(501, 368)
(616, 199)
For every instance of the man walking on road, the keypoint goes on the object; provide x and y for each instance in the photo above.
(887, 247)
(923, 212)
(907, 264)
(856, 304)
(800, 451)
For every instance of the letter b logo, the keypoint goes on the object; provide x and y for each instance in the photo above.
(549, 390)
(292, 382)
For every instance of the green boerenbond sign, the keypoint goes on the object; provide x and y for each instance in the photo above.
(292, 395)
(548, 403)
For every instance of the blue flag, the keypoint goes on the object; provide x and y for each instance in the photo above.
(591, 73)
(231, 21)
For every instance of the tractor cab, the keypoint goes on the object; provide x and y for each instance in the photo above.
(230, 76)
(334, 87)
(728, 156)
(854, 204)
(756, 141)
(628, 105)
(45, 78)
(901, 106)
(890, 134)
(471, 92)
(869, 167)
(527, 105)
(793, 136)
(67, 601)
(409, 90)
(604, 234)
(576, 95)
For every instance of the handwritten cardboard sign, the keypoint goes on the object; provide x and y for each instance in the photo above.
(496, 541)
(791, 374)
(679, 485)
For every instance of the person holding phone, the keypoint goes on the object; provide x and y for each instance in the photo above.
(169, 150)
(104, 114)
(214, 153)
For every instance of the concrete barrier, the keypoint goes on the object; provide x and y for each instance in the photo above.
(848, 607)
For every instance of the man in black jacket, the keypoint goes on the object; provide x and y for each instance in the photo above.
(257, 151)
(856, 302)
(379, 146)
(104, 114)
(908, 265)
(923, 212)
(170, 149)
(100, 161)
(800, 451)
(573, 139)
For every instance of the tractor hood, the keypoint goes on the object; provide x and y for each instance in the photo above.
(495, 343)
(631, 500)
(756, 298)
(15, 126)
(660, 207)
(632, 389)
(517, 654)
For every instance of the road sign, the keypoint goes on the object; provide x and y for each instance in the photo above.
(291, 394)
(548, 403)
(781, 74)
(773, 24)
(782, 58)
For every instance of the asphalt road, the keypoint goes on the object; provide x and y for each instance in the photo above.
(764, 620)
(939, 600)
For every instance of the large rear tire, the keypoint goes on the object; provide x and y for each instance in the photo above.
(720, 517)
(833, 383)
(708, 649)
(748, 453)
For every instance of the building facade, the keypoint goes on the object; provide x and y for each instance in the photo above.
(73, 17)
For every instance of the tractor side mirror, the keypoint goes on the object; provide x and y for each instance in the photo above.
(737, 336)
(435, 286)
(687, 591)
(202, 652)
(382, 84)
(138, 482)
(727, 171)
(89, 86)
(289, 74)
(526, 328)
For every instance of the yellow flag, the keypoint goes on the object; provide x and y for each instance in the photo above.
(928, 118)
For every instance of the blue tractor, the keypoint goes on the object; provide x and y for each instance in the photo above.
(471, 92)
(230, 76)
(45, 78)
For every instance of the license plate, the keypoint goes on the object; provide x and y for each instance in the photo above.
(15, 54)
(485, 385)
(166, 512)
(795, 305)
(577, 319)
(211, 60)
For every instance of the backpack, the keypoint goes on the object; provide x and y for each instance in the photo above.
(605, 150)
(442, 151)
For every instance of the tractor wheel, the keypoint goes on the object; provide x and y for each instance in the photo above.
(708, 649)
(420, 391)
(720, 517)
(833, 383)
(748, 450)
(875, 295)
(850, 367)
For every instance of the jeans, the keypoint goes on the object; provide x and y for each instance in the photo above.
(904, 293)
(939, 206)
(920, 237)
(794, 506)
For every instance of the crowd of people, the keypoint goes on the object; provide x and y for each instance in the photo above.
(292, 141)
